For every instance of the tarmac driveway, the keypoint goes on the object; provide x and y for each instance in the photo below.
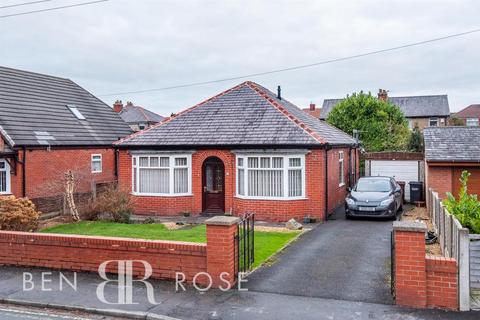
(340, 259)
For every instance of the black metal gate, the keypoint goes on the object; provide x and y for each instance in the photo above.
(392, 264)
(245, 243)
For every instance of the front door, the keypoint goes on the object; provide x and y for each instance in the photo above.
(213, 186)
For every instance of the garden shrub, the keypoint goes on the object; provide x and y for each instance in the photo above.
(466, 208)
(112, 204)
(18, 214)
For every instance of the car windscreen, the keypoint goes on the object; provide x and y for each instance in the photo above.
(373, 185)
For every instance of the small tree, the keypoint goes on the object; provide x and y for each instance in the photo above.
(382, 124)
(467, 207)
(454, 121)
(416, 141)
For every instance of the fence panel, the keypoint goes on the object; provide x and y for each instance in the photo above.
(454, 242)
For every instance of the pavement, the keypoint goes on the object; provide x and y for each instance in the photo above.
(341, 259)
(14, 312)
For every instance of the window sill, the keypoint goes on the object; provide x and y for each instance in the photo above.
(96, 171)
(161, 195)
(271, 198)
(341, 185)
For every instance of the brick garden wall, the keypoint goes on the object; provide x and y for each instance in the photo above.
(442, 286)
(422, 281)
(86, 253)
(80, 253)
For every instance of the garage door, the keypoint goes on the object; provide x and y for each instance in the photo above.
(400, 170)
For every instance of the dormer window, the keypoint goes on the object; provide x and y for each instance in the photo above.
(76, 112)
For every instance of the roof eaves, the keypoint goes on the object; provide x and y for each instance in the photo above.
(7, 137)
(285, 112)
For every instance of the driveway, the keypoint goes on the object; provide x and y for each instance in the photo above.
(340, 259)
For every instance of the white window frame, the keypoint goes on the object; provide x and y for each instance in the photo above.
(171, 168)
(101, 162)
(7, 177)
(341, 174)
(433, 119)
(285, 169)
(471, 120)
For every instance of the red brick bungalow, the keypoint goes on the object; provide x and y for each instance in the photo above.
(449, 151)
(49, 125)
(245, 149)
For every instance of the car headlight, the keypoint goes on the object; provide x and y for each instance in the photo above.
(350, 201)
(386, 202)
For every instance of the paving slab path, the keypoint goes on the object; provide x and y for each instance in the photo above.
(340, 259)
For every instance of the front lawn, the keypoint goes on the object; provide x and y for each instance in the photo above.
(266, 243)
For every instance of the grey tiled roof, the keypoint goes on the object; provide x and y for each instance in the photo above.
(247, 114)
(137, 114)
(412, 107)
(33, 111)
(452, 144)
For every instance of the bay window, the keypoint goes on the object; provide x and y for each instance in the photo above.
(271, 176)
(161, 175)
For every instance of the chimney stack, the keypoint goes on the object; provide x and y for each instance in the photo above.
(312, 106)
(382, 94)
(279, 93)
(118, 106)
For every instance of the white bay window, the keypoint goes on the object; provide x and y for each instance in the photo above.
(166, 175)
(271, 176)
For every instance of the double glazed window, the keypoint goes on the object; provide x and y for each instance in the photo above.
(162, 174)
(472, 122)
(96, 163)
(433, 122)
(267, 177)
(4, 177)
(341, 169)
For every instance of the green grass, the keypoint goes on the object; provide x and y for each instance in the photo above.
(266, 243)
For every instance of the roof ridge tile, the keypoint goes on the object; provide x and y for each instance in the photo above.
(285, 112)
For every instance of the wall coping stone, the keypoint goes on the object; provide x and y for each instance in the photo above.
(413, 226)
(222, 221)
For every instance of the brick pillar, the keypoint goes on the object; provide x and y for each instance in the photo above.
(410, 271)
(221, 231)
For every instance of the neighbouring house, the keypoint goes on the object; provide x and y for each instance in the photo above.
(420, 111)
(313, 110)
(138, 118)
(243, 150)
(469, 116)
(449, 151)
(49, 125)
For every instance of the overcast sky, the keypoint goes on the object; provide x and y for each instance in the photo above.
(128, 45)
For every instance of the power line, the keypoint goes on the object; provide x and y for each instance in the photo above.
(24, 4)
(356, 56)
(51, 9)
